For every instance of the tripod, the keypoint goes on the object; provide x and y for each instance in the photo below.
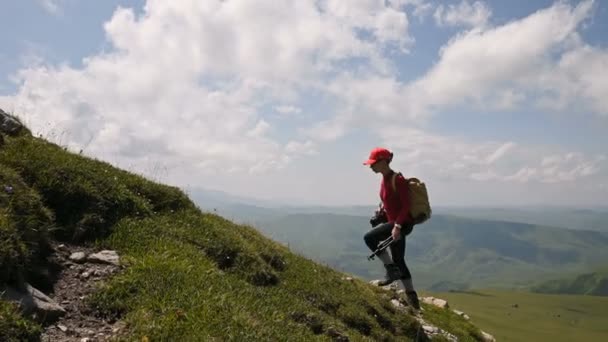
(381, 247)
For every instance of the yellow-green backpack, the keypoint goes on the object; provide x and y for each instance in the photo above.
(420, 209)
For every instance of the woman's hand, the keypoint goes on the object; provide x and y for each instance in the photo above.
(396, 233)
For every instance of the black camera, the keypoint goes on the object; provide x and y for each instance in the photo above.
(378, 218)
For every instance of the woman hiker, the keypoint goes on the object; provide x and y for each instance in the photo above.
(396, 205)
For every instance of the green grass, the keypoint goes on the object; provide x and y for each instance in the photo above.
(24, 226)
(190, 275)
(537, 317)
(13, 327)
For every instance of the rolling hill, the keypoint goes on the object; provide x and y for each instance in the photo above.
(447, 252)
(593, 283)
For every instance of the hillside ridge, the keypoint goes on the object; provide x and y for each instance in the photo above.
(188, 273)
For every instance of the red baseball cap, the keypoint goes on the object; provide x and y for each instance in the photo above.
(378, 153)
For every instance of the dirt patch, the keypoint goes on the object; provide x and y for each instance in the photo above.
(76, 281)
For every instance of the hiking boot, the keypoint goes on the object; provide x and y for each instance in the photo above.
(392, 273)
(411, 297)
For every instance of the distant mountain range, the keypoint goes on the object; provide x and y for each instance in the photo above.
(458, 248)
(252, 209)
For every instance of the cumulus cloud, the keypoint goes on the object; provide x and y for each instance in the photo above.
(480, 66)
(188, 81)
(485, 68)
(463, 14)
(208, 83)
(452, 158)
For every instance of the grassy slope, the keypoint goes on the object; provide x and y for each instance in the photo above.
(191, 275)
(538, 317)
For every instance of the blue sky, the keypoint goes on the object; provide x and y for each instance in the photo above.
(491, 102)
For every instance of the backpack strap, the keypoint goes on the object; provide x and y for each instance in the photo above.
(393, 179)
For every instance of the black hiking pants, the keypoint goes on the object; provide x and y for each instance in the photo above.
(382, 232)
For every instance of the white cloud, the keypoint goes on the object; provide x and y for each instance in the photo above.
(421, 8)
(478, 64)
(486, 68)
(500, 152)
(301, 148)
(442, 157)
(463, 14)
(579, 78)
(288, 110)
(187, 81)
(52, 6)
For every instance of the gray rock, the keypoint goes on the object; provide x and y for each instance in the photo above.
(487, 337)
(461, 314)
(441, 303)
(78, 257)
(430, 329)
(35, 302)
(8, 124)
(105, 257)
(397, 304)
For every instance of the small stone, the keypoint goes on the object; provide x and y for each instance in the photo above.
(461, 314)
(105, 257)
(62, 327)
(397, 304)
(430, 329)
(78, 257)
(85, 339)
(62, 248)
(487, 337)
(441, 303)
(118, 326)
(85, 275)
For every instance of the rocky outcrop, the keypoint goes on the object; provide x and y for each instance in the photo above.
(35, 303)
(428, 329)
(9, 125)
(433, 331)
